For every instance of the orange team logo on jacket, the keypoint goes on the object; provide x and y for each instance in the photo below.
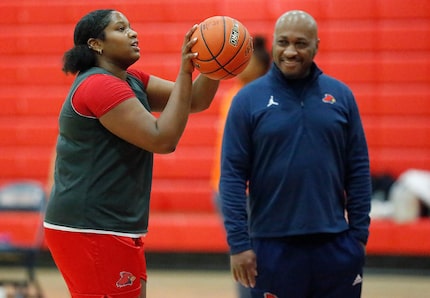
(126, 279)
(269, 295)
(328, 98)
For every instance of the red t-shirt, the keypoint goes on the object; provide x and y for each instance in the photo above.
(99, 93)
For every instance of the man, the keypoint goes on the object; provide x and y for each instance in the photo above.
(295, 140)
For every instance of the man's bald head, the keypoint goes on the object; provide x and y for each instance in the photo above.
(295, 18)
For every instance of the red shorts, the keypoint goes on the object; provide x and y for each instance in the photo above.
(95, 265)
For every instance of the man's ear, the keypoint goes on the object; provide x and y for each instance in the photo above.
(317, 42)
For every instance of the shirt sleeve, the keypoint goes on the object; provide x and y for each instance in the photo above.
(358, 182)
(235, 168)
(99, 93)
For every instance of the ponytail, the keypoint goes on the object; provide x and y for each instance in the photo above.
(81, 57)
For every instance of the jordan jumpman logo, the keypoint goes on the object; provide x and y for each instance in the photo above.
(272, 102)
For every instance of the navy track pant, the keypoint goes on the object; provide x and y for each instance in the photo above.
(312, 266)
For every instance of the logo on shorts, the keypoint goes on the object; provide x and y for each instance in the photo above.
(358, 280)
(126, 279)
(269, 295)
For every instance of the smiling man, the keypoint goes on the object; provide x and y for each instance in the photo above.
(295, 44)
(294, 142)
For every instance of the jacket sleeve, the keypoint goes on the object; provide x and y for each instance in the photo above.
(358, 182)
(235, 165)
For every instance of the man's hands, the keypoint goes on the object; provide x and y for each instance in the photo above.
(244, 267)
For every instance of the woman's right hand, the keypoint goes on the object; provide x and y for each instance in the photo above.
(187, 64)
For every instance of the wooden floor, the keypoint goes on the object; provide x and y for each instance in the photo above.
(218, 284)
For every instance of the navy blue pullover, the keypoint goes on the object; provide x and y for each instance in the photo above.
(302, 152)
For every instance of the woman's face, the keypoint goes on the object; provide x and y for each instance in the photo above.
(120, 46)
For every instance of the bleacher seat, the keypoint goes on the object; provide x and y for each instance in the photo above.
(379, 48)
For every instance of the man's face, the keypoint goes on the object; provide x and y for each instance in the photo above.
(295, 45)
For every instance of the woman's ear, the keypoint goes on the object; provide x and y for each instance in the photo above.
(94, 45)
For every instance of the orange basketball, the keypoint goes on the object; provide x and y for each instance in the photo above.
(224, 46)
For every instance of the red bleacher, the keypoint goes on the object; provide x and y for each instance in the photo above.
(379, 48)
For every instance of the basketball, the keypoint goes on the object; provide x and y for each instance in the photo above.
(224, 47)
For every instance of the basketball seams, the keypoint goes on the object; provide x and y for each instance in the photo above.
(215, 58)
(225, 46)
(224, 67)
(207, 46)
(235, 54)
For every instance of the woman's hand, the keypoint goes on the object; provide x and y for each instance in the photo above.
(187, 65)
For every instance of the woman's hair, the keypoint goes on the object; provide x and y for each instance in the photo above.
(81, 57)
(261, 52)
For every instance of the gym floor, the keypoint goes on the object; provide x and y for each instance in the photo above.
(188, 283)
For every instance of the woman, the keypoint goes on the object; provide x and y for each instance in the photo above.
(98, 210)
